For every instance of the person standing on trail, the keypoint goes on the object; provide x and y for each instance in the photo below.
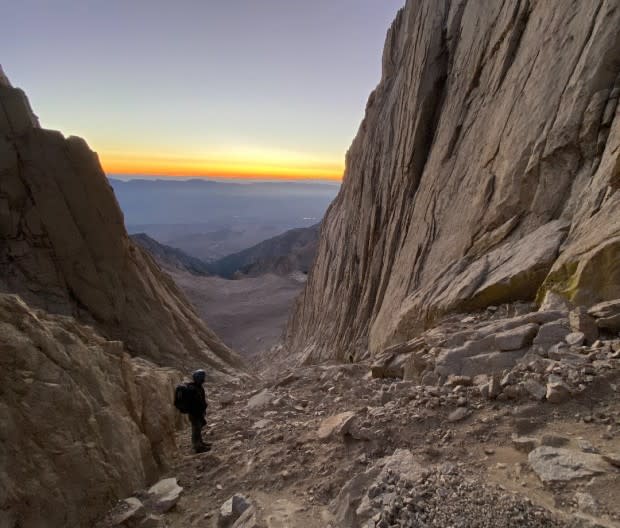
(190, 399)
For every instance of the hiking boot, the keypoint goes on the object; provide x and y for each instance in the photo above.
(202, 448)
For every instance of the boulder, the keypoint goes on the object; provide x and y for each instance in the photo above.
(129, 511)
(153, 521)
(459, 414)
(557, 392)
(536, 390)
(232, 510)
(517, 338)
(553, 464)
(490, 363)
(226, 399)
(389, 364)
(554, 440)
(607, 315)
(454, 381)
(554, 302)
(586, 502)
(524, 443)
(287, 380)
(581, 321)
(260, 400)
(552, 333)
(248, 519)
(164, 495)
(262, 423)
(335, 425)
(76, 372)
(575, 339)
(612, 458)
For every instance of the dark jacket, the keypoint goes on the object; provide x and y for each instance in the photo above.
(198, 406)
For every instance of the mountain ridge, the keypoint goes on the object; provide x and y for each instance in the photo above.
(293, 250)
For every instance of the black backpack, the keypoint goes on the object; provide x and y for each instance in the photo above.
(182, 398)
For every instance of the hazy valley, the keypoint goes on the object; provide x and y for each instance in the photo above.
(212, 219)
(435, 343)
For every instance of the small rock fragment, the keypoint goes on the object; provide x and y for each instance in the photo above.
(558, 392)
(334, 425)
(458, 414)
(575, 338)
(535, 389)
(524, 443)
(164, 495)
(231, 510)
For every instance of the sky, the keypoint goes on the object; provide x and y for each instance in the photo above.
(251, 88)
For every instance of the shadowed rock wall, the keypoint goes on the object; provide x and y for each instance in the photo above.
(64, 248)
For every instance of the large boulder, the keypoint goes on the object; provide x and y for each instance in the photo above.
(552, 333)
(581, 321)
(553, 464)
(83, 423)
(517, 338)
(607, 314)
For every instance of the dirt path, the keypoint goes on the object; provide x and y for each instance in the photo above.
(271, 454)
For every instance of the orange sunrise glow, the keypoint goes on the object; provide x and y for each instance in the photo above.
(123, 164)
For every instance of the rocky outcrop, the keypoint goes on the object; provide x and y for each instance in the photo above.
(83, 423)
(486, 171)
(170, 258)
(64, 248)
(292, 251)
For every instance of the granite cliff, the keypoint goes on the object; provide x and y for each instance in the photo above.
(92, 335)
(64, 248)
(485, 171)
(83, 423)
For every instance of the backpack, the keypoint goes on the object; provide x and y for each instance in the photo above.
(182, 398)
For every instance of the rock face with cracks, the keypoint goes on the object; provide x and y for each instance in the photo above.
(83, 423)
(485, 171)
(64, 248)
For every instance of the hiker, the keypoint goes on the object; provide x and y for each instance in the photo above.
(190, 399)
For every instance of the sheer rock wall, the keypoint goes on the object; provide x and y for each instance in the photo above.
(64, 248)
(486, 170)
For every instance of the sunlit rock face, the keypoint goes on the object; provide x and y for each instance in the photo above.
(83, 423)
(64, 248)
(486, 170)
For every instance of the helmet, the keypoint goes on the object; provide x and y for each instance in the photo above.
(199, 376)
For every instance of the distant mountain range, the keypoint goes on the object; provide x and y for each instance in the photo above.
(222, 204)
(169, 258)
(291, 251)
(212, 219)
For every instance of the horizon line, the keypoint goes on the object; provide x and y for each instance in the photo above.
(263, 178)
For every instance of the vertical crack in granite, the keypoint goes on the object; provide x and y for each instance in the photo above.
(469, 181)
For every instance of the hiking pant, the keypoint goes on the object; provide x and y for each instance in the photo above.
(198, 422)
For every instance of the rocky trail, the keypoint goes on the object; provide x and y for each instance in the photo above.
(333, 446)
